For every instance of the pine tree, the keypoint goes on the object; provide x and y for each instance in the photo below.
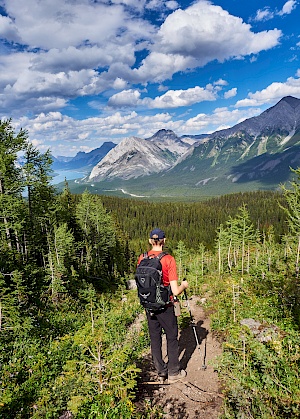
(10, 181)
(237, 239)
(40, 199)
(9, 313)
(181, 255)
(221, 246)
(60, 261)
(293, 213)
(292, 196)
(65, 209)
(98, 237)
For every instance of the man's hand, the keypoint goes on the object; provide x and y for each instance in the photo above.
(185, 284)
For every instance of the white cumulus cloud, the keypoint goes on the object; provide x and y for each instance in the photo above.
(202, 33)
(288, 7)
(220, 118)
(275, 91)
(170, 99)
(230, 93)
(125, 98)
(264, 14)
(267, 13)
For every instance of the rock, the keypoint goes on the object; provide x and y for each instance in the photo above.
(66, 415)
(252, 324)
(262, 333)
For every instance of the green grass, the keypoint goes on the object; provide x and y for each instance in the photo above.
(163, 193)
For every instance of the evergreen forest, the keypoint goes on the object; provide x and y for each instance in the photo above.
(67, 346)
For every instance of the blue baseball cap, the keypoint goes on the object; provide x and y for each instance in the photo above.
(157, 233)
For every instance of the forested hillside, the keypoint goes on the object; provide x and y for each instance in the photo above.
(61, 261)
(197, 222)
(68, 347)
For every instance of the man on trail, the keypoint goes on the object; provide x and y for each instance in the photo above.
(165, 317)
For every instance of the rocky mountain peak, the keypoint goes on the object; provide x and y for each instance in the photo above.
(284, 117)
(163, 134)
(134, 157)
(290, 100)
(168, 140)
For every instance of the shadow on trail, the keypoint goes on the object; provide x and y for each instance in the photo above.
(188, 343)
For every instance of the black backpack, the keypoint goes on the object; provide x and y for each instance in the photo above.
(151, 291)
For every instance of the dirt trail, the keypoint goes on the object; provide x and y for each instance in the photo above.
(199, 394)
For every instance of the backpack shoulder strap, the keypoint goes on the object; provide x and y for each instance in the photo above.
(161, 255)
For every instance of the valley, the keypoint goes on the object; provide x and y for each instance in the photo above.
(256, 154)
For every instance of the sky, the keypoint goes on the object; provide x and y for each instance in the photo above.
(77, 73)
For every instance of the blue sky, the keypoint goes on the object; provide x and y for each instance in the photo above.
(76, 73)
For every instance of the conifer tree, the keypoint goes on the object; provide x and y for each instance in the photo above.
(221, 246)
(236, 240)
(9, 313)
(98, 236)
(60, 261)
(66, 209)
(10, 179)
(292, 196)
(181, 255)
(41, 199)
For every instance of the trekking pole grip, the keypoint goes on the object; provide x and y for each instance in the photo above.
(185, 294)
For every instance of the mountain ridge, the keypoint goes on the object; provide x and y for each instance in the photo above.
(262, 123)
(134, 156)
(255, 154)
(82, 160)
(270, 132)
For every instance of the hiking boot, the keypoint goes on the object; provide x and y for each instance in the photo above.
(176, 378)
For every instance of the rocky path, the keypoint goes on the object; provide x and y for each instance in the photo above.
(199, 394)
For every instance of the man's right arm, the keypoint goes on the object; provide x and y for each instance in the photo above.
(178, 289)
(173, 278)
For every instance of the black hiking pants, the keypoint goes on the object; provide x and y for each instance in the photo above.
(168, 321)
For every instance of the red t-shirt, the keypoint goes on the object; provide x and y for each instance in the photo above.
(169, 271)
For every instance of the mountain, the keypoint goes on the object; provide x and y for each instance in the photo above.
(281, 119)
(256, 154)
(82, 159)
(63, 159)
(253, 149)
(168, 140)
(134, 157)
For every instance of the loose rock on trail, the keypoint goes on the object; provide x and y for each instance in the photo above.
(198, 395)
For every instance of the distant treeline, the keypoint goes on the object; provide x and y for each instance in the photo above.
(197, 222)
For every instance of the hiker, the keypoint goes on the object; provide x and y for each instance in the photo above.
(165, 318)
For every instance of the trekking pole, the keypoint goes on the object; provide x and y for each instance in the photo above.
(193, 324)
